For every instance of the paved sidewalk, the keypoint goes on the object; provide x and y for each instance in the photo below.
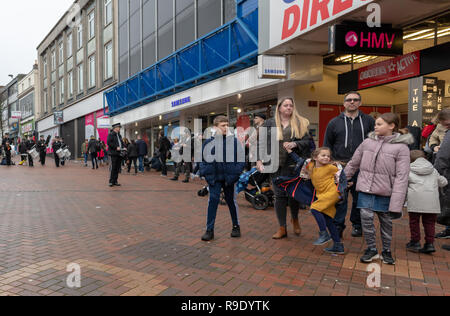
(144, 239)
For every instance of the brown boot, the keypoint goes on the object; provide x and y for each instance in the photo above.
(297, 228)
(282, 233)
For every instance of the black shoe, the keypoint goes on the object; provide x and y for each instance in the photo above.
(443, 235)
(386, 256)
(186, 181)
(174, 179)
(118, 185)
(370, 255)
(413, 246)
(236, 232)
(428, 249)
(111, 185)
(208, 236)
(357, 232)
(446, 247)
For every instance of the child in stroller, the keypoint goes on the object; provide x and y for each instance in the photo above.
(257, 191)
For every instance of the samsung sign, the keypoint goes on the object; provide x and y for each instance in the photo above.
(272, 67)
(289, 19)
(181, 102)
(359, 39)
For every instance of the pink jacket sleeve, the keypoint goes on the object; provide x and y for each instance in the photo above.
(354, 165)
(400, 186)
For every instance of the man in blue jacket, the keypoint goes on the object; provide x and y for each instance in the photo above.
(142, 152)
(223, 163)
(343, 136)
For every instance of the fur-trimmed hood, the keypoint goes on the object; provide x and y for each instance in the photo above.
(397, 138)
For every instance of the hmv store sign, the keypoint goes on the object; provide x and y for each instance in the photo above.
(362, 40)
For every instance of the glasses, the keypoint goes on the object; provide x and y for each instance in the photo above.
(354, 100)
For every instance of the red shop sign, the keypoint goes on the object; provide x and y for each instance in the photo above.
(396, 69)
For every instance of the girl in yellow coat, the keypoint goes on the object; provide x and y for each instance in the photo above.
(324, 175)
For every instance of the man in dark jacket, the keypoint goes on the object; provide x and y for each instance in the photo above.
(343, 136)
(222, 173)
(164, 148)
(142, 152)
(57, 145)
(442, 165)
(93, 149)
(116, 149)
(41, 146)
(30, 144)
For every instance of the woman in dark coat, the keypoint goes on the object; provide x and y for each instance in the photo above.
(293, 134)
(132, 156)
(93, 151)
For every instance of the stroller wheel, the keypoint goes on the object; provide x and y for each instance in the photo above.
(260, 202)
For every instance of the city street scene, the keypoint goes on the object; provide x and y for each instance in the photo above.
(227, 154)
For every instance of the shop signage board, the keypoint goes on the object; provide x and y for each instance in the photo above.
(426, 96)
(388, 71)
(360, 39)
(16, 114)
(26, 128)
(289, 19)
(272, 67)
(59, 117)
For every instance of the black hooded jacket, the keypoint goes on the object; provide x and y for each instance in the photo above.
(344, 135)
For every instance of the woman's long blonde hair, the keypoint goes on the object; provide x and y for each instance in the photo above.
(299, 124)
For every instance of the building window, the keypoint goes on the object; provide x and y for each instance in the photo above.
(44, 62)
(61, 53)
(185, 22)
(61, 91)
(53, 60)
(80, 36)
(92, 71)
(70, 84)
(108, 12)
(165, 28)
(45, 101)
(53, 96)
(209, 16)
(108, 61)
(91, 19)
(69, 45)
(80, 79)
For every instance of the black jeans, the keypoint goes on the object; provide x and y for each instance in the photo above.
(342, 208)
(42, 155)
(94, 160)
(283, 200)
(116, 162)
(163, 159)
(131, 161)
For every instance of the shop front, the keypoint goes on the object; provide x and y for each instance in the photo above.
(26, 128)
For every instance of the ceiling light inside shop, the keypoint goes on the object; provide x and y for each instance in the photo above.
(160, 117)
(416, 33)
(430, 34)
(239, 111)
(356, 59)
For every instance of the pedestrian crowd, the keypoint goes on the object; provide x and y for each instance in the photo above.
(386, 170)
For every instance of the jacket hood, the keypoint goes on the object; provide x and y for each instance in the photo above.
(397, 138)
(422, 167)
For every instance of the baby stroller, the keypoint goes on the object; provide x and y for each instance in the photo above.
(261, 196)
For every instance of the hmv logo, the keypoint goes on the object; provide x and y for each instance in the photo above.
(370, 39)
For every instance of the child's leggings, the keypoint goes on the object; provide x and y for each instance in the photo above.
(367, 218)
(325, 221)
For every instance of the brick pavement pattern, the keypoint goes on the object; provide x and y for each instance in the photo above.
(144, 239)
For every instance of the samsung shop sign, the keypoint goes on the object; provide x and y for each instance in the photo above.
(289, 19)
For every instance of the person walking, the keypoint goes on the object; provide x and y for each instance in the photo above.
(292, 134)
(30, 144)
(442, 165)
(384, 163)
(41, 147)
(142, 152)
(423, 201)
(85, 151)
(23, 152)
(57, 145)
(116, 151)
(93, 148)
(164, 148)
(222, 174)
(132, 156)
(343, 136)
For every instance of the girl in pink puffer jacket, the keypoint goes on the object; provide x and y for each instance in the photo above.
(384, 163)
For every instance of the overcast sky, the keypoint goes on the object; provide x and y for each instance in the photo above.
(23, 26)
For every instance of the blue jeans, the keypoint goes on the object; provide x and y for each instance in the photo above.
(342, 208)
(86, 158)
(324, 222)
(214, 200)
(141, 163)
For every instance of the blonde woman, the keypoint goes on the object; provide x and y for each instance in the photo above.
(292, 134)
